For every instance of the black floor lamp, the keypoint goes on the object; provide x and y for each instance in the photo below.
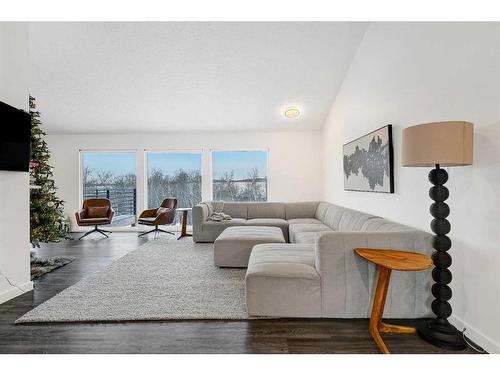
(439, 144)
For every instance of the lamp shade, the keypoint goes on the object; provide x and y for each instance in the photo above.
(446, 143)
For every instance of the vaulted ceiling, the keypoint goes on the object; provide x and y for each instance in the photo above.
(156, 77)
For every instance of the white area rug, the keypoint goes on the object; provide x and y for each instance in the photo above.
(164, 279)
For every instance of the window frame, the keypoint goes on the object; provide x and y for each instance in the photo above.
(81, 151)
(211, 162)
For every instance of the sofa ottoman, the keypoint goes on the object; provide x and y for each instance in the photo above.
(233, 246)
(282, 280)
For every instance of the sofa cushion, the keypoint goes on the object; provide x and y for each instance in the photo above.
(238, 210)
(308, 237)
(212, 229)
(352, 221)
(234, 245)
(294, 210)
(300, 228)
(97, 212)
(321, 211)
(280, 223)
(333, 216)
(282, 280)
(378, 224)
(266, 210)
(298, 256)
(305, 220)
(340, 218)
(147, 220)
(228, 223)
(93, 221)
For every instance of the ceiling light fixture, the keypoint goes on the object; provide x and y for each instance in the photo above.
(292, 112)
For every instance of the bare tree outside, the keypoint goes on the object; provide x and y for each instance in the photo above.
(183, 185)
(87, 173)
(177, 175)
(248, 187)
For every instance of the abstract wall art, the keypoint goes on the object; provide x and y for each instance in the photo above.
(368, 162)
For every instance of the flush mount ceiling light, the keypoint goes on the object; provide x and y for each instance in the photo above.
(292, 112)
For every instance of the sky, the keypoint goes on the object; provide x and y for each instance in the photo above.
(241, 162)
(169, 162)
(118, 163)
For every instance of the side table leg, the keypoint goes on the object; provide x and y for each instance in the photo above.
(184, 232)
(386, 327)
(384, 276)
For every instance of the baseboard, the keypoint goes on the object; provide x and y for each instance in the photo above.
(478, 337)
(14, 292)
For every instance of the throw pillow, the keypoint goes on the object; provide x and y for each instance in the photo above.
(97, 212)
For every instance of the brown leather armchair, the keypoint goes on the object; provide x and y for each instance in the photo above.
(95, 211)
(163, 215)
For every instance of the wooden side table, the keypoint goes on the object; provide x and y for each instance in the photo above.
(185, 212)
(387, 261)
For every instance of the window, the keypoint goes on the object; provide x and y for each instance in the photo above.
(174, 174)
(239, 176)
(111, 174)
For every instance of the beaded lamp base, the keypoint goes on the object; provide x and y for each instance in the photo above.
(439, 331)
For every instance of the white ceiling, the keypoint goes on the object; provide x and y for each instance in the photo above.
(154, 77)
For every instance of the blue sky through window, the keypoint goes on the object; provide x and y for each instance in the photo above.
(170, 162)
(118, 163)
(241, 162)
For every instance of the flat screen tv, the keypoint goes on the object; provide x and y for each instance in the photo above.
(15, 134)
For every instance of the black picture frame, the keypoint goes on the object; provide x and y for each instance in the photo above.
(354, 161)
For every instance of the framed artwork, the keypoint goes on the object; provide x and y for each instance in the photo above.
(369, 162)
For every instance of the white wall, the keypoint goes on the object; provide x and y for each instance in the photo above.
(294, 159)
(411, 73)
(14, 190)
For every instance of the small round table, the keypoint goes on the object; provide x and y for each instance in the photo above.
(387, 261)
(185, 212)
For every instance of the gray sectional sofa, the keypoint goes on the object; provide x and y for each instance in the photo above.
(317, 273)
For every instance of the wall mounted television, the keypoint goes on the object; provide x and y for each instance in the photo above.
(15, 135)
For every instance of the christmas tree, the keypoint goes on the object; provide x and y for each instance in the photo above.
(47, 220)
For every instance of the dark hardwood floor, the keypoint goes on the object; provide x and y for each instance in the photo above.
(260, 336)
